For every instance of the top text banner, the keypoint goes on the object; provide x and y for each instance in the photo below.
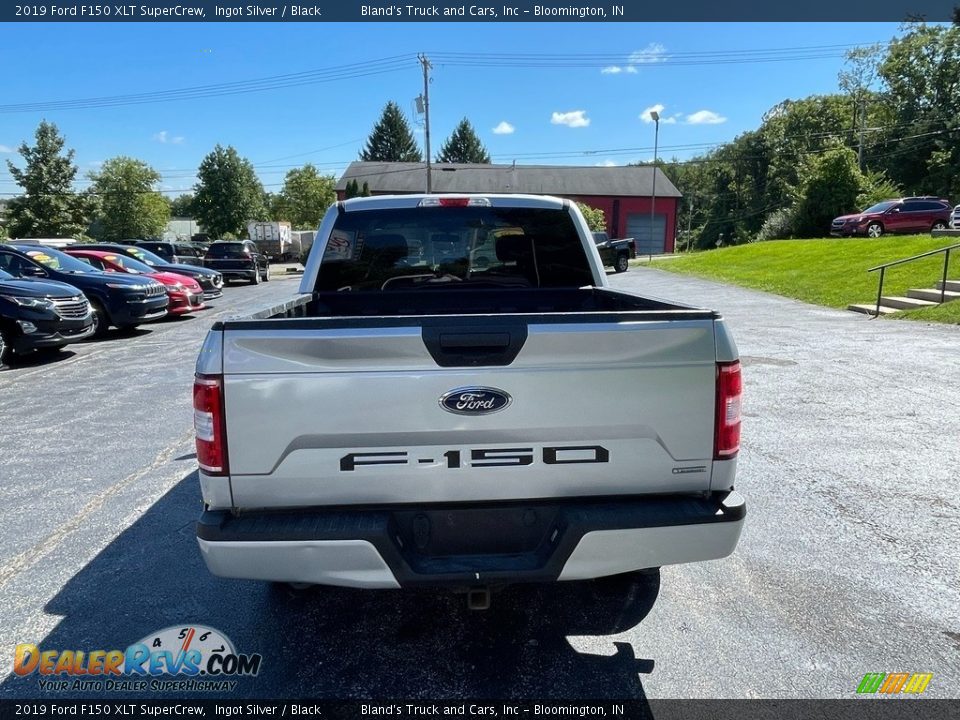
(484, 11)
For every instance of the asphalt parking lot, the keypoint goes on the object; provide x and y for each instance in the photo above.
(848, 563)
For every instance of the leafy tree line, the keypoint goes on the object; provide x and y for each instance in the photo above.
(124, 199)
(892, 129)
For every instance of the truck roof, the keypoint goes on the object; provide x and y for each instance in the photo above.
(388, 202)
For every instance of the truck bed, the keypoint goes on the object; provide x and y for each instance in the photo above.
(554, 305)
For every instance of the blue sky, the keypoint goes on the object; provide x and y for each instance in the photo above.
(566, 115)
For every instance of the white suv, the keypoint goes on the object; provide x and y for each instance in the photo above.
(955, 218)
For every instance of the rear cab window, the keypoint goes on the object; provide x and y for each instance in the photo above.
(228, 250)
(453, 247)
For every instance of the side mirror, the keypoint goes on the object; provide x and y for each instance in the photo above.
(894, 210)
(33, 271)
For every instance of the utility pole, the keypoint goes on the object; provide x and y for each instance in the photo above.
(863, 123)
(425, 63)
(655, 116)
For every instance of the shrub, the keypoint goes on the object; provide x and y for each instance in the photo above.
(778, 225)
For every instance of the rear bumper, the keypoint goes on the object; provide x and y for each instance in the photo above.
(233, 273)
(469, 546)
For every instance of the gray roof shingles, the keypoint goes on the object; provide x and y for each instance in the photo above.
(629, 181)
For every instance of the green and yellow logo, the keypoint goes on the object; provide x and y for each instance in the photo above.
(894, 683)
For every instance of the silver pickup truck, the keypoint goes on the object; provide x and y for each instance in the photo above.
(457, 398)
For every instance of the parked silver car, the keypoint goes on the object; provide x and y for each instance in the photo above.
(955, 218)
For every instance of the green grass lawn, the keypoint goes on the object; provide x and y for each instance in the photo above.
(829, 271)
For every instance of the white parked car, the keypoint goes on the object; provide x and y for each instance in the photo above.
(955, 218)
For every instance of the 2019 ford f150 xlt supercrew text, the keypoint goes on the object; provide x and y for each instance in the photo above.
(457, 398)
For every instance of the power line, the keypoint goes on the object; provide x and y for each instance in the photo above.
(646, 59)
(273, 82)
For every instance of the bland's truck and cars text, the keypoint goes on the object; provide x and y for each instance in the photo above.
(456, 398)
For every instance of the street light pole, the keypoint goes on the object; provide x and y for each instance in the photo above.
(653, 195)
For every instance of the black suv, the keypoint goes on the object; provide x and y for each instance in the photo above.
(38, 315)
(210, 280)
(124, 301)
(176, 253)
(238, 260)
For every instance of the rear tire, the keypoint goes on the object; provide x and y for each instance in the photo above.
(266, 275)
(256, 277)
(874, 230)
(4, 349)
(939, 225)
(623, 262)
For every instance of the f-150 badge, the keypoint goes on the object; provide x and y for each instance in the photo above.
(475, 401)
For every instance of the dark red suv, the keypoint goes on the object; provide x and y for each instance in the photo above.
(907, 215)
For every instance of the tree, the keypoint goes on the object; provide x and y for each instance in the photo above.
(49, 207)
(182, 206)
(922, 75)
(365, 191)
(831, 186)
(129, 204)
(463, 146)
(595, 218)
(228, 193)
(352, 190)
(391, 139)
(305, 197)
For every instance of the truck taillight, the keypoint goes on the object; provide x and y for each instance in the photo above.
(208, 423)
(726, 441)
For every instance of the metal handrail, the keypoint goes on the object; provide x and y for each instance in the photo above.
(943, 279)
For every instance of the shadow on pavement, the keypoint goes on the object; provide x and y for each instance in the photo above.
(344, 643)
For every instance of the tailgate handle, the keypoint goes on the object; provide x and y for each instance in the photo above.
(477, 342)
(474, 347)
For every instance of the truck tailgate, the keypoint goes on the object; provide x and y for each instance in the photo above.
(352, 415)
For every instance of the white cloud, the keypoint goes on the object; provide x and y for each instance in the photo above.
(652, 53)
(607, 163)
(573, 119)
(6, 149)
(166, 138)
(96, 163)
(504, 128)
(705, 117)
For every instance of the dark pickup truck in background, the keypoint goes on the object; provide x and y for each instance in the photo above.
(37, 315)
(615, 253)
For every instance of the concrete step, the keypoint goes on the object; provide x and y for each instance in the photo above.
(905, 303)
(932, 294)
(951, 285)
(871, 309)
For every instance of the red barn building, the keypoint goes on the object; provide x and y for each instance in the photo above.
(623, 193)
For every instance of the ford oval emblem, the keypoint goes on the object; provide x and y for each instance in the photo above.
(475, 401)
